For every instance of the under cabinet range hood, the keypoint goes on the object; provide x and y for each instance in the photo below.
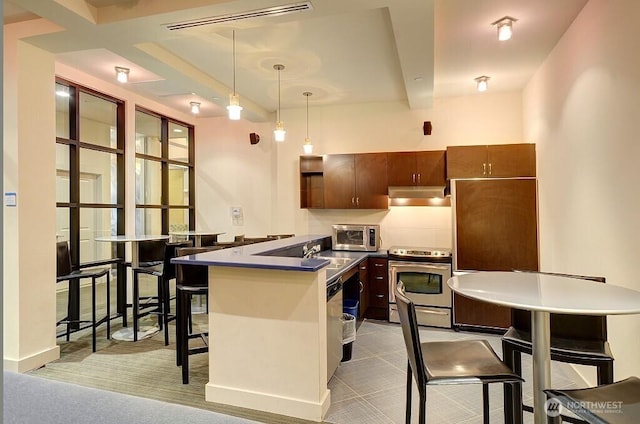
(416, 192)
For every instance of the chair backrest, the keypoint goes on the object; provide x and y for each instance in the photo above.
(169, 270)
(151, 251)
(63, 258)
(568, 326)
(208, 240)
(409, 323)
(193, 275)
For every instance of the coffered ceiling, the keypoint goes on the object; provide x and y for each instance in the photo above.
(344, 52)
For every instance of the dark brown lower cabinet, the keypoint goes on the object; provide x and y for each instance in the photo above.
(378, 289)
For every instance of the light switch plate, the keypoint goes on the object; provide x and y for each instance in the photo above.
(236, 215)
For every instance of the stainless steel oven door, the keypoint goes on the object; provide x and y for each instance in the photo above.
(425, 283)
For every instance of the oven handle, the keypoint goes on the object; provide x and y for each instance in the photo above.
(424, 265)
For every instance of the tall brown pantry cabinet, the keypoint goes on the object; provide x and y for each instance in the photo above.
(495, 229)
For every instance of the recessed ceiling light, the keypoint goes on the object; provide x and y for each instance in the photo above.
(482, 83)
(417, 79)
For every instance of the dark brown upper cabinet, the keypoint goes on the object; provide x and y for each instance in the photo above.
(492, 161)
(426, 168)
(355, 181)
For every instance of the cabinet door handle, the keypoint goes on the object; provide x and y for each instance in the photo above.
(484, 168)
(378, 264)
(357, 201)
(379, 278)
(419, 177)
(379, 296)
(489, 168)
(413, 178)
(361, 286)
(353, 201)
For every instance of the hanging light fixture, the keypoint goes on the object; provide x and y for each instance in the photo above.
(122, 74)
(482, 83)
(195, 107)
(234, 107)
(505, 27)
(308, 147)
(279, 133)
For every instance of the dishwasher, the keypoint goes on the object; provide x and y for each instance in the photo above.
(334, 326)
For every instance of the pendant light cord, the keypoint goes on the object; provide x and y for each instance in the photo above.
(307, 95)
(234, 61)
(278, 117)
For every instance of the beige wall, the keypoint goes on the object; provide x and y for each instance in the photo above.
(582, 109)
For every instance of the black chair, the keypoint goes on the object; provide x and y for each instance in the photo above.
(208, 240)
(191, 280)
(575, 339)
(616, 403)
(65, 272)
(151, 256)
(160, 303)
(279, 236)
(449, 362)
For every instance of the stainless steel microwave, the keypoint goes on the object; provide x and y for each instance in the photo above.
(356, 237)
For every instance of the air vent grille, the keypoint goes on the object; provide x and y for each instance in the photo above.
(260, 13)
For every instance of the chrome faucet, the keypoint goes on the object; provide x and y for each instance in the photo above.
(308, 252)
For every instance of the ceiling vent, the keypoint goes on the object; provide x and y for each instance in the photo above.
(260, 13)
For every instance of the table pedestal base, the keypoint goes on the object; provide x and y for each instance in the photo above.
(126, 334)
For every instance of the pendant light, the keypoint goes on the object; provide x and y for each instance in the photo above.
(279, 133)
(234, 107)
(308, 147)
(505, 27)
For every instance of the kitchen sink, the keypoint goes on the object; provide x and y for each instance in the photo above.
(335, 263)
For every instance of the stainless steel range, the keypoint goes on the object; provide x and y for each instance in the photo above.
(424, 273)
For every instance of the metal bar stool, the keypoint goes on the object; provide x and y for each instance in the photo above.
(65, 272)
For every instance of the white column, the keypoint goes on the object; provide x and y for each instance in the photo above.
(29, 234)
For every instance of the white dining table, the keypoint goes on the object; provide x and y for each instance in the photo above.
(126, 333)
(197, 235)
(543, 294)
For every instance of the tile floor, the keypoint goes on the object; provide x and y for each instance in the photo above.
(370, 388)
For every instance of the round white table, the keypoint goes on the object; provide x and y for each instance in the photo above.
(126, 333)
(542, 294)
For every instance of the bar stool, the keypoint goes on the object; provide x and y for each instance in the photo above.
(616, 403)
(575, 339)
(164, 271)
(65, 272)
(449, 362)
(151, 256)
(191, 280)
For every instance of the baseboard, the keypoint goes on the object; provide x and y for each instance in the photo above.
(32, 362)
(271, 403)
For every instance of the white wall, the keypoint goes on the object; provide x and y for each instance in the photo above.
(582, 109)
(231, 172)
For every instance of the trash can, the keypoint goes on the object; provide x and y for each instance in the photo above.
(348, 335)
(350, 306)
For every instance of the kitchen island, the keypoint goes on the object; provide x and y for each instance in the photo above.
(268, 326)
